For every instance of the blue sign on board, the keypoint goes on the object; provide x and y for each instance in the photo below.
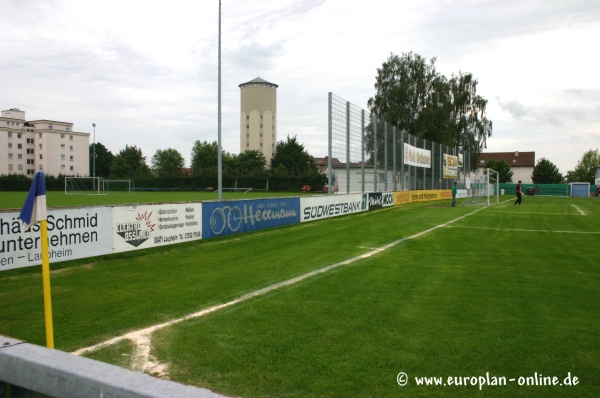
(232, 217)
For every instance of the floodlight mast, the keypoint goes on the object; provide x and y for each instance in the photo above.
(220, 164)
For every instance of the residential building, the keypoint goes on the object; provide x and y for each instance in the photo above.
(30, 146)
(521, 163)
(258, 117)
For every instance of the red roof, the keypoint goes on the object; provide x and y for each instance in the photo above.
(514, 159)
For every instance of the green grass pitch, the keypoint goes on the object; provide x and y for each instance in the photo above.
(505, 291)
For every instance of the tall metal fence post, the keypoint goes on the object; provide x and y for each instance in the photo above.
(347, 147)
(403, 184)
(375, 154)
(362, 152)
(330, 144)
(385, 157)
(433, 165)
(394, 155)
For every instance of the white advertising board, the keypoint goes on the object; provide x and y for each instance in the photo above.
(418, 157)
(319, 207)
(72, 233)
(145, 226)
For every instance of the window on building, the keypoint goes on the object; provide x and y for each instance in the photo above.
(62, 166)
(19, 146)
(41, 167)
(62, 157)
(40, 156)
(50, 126)
(247, 126)
(247, 117)
(261, 126)
(30, 171)
(10, 166)
(247, 145)
(10, 155)
(261, 144)
(9, 145)
(39, 134)
(30, 161)
(30, 151)
(71, 137)
(71, 168)
(71, 158)
(19, 135)
(62, 146)
(68, 128)
(20, 167)
(261, 117)
(19, 156)
(40, 146)
(10, 134)
(247, 135)
(70, 147)
(62, 136)
(30, 140)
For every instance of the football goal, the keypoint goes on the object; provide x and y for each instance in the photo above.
(118, 186)
(84, 186)
(484, 190)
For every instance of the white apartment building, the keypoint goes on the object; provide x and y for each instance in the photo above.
(27, 147)
(258, 117)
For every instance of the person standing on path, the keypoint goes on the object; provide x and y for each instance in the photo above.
(519, 193)
(454, 195)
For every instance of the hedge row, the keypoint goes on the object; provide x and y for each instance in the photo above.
(199, 181)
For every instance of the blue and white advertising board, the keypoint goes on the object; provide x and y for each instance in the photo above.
(232, 217)
(319, 207)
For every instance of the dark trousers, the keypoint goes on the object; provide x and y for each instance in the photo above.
(518, 201)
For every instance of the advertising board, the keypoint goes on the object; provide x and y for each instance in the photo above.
(72, 233)
(405, 197)
(450, 166)
(145, 226)
(378, 200)
(418, 157)
(319, 207)
(231, 217)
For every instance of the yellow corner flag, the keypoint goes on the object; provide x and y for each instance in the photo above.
(34, 210)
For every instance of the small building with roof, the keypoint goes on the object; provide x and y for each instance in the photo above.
(521, 163)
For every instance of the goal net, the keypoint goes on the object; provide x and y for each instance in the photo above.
(84, 186)
(118, 186)
(484, 190)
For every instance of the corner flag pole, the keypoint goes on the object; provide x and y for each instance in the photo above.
(34, 210)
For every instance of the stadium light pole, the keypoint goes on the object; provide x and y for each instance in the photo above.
(220, 162)
(94, 126)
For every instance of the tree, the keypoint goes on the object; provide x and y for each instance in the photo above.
(251, 160)
(293, 157)
(586, 167)
(545, 172)
(104, 159)
(167, 162)
(412, 96)
(205, 155)
(505, 174)
(129, 163)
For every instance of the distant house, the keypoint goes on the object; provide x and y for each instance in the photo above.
(521, 163)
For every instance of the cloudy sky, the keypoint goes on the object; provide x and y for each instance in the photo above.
(146, 72)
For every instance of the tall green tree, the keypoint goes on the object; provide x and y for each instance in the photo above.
(251, 160)
(505, 174)
(129, 163)
(293, 157)
(412, 96)
(586, 167)
(167, 162)
(104, 159)
(546, 172)
(205, 155)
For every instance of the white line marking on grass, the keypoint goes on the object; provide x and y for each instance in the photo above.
(581, 211)
(142, 338)
(526, 230)
(534, 212)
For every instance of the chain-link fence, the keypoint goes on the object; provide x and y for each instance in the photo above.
(367, 155)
